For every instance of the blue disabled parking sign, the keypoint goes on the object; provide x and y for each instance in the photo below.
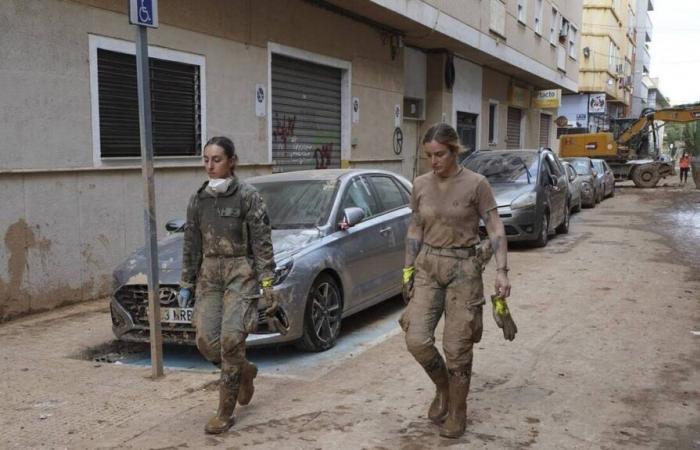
(144, 12)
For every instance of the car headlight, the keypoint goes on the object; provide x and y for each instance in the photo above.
(282, 271)
(586, 186)
(526, 200)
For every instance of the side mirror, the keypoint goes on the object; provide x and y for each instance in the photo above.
(572, 177)
(352, 216)
(594, 173)
(175, 225)
(554, 181)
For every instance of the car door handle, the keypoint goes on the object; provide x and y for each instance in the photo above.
(386, 230)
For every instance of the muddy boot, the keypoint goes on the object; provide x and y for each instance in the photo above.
(248, 374)
(228, 392)
(456, 421)
(438, 408)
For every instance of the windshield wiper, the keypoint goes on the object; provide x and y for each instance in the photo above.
(527, 171)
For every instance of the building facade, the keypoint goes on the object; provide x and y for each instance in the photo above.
(607, 54)
(297, 84)
(642, 57)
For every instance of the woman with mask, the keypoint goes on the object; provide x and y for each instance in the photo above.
(227, 259)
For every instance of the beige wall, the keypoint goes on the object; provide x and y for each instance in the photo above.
(67, 222)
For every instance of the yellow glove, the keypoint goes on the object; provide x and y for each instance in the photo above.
(271, 303)
(501, 314)
(407, 289)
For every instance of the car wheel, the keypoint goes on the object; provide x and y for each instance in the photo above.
(612, 192)
(579, 206)
(324, 308)
(563, 228)
(543, 237)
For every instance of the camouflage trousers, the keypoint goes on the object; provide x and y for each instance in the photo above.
(446, 281)
(225, 310)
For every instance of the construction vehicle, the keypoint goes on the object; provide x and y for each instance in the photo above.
(631, 146)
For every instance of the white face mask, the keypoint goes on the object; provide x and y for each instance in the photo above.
(218, 185)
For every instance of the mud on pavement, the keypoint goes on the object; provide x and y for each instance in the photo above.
(604, 358)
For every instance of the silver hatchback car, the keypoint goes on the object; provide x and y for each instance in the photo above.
(325, 270)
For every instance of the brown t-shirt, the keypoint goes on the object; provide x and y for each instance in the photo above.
(449, 209)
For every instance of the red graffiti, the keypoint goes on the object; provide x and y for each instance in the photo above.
(284, 129)
(322, 156)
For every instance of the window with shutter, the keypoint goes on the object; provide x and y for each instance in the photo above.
(175, 102)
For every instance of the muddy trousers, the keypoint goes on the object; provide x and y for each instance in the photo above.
(448, 282)
(225, 310)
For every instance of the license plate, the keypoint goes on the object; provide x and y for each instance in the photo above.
(176, 315)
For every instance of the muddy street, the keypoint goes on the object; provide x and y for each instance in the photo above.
(607, 356)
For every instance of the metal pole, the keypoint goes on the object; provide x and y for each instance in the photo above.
(144, 91)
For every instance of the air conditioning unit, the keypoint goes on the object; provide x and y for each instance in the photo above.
(413, 108)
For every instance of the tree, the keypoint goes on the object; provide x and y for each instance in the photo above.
(690, 138)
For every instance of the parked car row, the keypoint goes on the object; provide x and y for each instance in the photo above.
(339, 238)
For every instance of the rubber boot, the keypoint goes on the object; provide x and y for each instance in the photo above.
(248, 374)
(228, 393)
(456, 422)
(439, 405)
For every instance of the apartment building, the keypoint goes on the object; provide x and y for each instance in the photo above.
(297, 84)
(642, 60)
(607, 54)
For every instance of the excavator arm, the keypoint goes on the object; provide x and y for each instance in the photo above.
(689, 113)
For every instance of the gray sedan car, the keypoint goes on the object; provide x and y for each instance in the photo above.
(338, 238)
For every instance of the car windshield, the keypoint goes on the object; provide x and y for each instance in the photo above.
(582, 166)
(298, 204)
(505, 167)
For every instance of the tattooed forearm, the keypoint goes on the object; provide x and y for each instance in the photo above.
(414, 240)
(497, 235)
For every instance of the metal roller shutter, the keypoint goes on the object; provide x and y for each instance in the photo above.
(305, 115)
(513, 128)
(545, 129)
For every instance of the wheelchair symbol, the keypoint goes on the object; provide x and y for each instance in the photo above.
(144, 14)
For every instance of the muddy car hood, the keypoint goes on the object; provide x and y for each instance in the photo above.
(285, 243)
(505, 193)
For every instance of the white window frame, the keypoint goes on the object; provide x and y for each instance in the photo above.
(128, 47)
(345, 92)
(573, 34)
(522, 11)
(539, 9)
(554, 27)
(495, 104)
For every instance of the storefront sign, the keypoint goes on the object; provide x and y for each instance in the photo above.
(518, 97)
(596, 103)
(551, 98)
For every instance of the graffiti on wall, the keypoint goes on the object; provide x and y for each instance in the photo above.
(318, 153)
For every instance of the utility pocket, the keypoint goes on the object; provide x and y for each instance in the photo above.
(250, 319)
(229, 212)
(477, 325)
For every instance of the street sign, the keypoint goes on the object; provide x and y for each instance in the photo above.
(143, 12)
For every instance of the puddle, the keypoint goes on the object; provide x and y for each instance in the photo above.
(359, 332)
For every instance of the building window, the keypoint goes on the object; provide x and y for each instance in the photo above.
(493, 122)
(522, 11)
(177, 101)
(539, 5)
(572, 42)
(554, 27)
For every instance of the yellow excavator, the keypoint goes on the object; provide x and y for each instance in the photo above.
(630, 148)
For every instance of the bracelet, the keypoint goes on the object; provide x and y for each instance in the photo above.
(503, 269)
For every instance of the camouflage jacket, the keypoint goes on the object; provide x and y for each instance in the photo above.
(231, 224)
